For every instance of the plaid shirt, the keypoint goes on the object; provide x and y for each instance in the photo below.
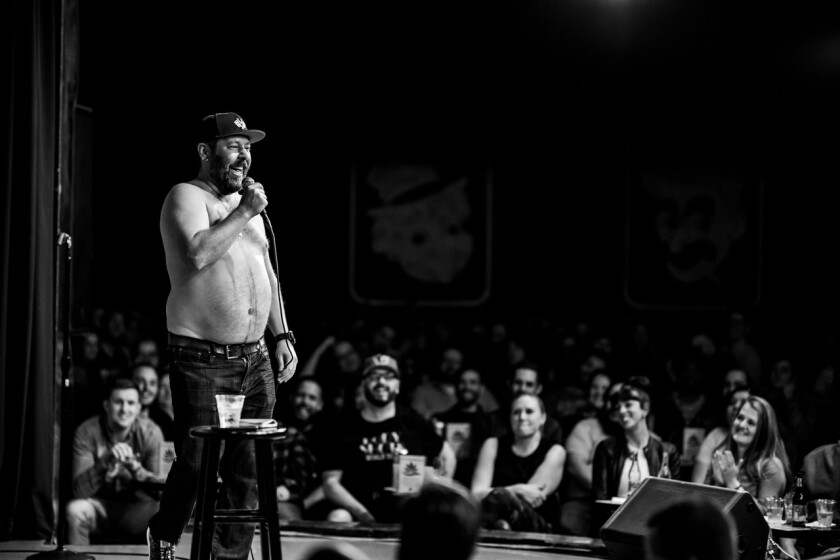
(295, 465)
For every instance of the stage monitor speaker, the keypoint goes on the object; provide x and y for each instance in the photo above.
(623, 533)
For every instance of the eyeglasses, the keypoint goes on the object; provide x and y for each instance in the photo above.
(386, 375)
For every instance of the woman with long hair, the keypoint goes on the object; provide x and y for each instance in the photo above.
(752, 458)
(517, 474)
(702, 470)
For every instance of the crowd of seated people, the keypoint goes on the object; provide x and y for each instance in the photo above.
(726, 410)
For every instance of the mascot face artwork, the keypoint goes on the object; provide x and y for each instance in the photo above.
(698, 218)
(421, 225)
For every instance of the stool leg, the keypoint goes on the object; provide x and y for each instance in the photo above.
(206, 504)
(268, 501)
(199, 502)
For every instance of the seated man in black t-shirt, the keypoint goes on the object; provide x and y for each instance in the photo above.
(358, 463)
(466, 425)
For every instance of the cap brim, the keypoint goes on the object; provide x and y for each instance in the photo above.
(253, 135)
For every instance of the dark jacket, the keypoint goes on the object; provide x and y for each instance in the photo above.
(610, 455)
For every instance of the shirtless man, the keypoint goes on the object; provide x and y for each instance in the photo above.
(224, 294)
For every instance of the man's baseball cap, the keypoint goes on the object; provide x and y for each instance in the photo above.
(222, 125)
(380, 361)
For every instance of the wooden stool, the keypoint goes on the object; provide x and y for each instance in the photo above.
(206, 514)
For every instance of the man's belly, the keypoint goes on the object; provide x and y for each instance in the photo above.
(221, 307)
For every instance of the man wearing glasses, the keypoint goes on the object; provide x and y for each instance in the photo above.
(358, 468)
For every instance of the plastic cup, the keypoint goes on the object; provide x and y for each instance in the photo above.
(773, 509)
(825, 512)
(230, 410)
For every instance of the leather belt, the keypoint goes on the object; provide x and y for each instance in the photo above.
(229, 351)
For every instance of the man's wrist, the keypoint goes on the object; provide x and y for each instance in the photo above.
(288, 335)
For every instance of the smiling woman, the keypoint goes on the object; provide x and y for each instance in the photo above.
(753, 457)
(623, 460)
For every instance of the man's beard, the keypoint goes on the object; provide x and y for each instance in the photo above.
(372, 398)
(224, 180)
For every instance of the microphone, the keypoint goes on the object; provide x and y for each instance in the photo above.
(247, 181)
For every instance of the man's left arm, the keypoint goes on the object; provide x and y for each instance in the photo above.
(285, 351)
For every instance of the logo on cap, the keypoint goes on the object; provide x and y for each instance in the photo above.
(240, 123)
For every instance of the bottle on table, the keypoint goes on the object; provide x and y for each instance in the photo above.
(800, 501)
(665, 470)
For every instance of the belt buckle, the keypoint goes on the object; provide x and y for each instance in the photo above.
(227, 351)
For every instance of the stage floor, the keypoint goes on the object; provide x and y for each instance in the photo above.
(379, 543)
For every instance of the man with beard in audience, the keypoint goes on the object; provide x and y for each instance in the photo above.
(357, 470)
(299, 492)
(466, 424)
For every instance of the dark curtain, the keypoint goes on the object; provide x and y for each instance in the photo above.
(36, 124)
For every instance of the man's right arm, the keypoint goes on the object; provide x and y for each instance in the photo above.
(340, 496)
(185, 226)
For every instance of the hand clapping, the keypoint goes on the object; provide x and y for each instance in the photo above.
(725, 468)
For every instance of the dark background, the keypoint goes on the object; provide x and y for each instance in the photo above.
(550, 91)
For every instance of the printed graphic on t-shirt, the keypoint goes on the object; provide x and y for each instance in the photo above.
(380, 447)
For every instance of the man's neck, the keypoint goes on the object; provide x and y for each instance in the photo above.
(373, 413)
(117, 433)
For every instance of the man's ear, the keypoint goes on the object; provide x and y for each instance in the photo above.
(538, 389)
(204, 151)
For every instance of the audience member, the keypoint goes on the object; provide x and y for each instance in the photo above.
(821, 467)
(793, 405)
(576, 510)
(114, 453)
(441, 522)
(752, 458)
(695, 528)
(358, 465)
(741, 350)
(339, 375)
(437, 392)
(688, 413)
(702, 472)
(597, 384)
(466, 424)
(147, 350)
(165, 395)
(299, 491)
(734, 379)
(145, 376)
(518, 474)
(634, 446)
(525, 380)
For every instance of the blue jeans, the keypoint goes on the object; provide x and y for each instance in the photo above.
(195, 378)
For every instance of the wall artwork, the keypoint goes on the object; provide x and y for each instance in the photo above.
(694, 221)
(420, 233)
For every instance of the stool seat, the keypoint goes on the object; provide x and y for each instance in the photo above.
(207, 516)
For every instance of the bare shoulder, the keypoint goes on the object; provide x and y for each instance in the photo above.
(184, 192)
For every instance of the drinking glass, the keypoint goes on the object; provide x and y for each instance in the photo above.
(230, 410)
(825, 512)
(773, 509)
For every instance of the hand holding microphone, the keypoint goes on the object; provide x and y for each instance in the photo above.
(253, 199)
